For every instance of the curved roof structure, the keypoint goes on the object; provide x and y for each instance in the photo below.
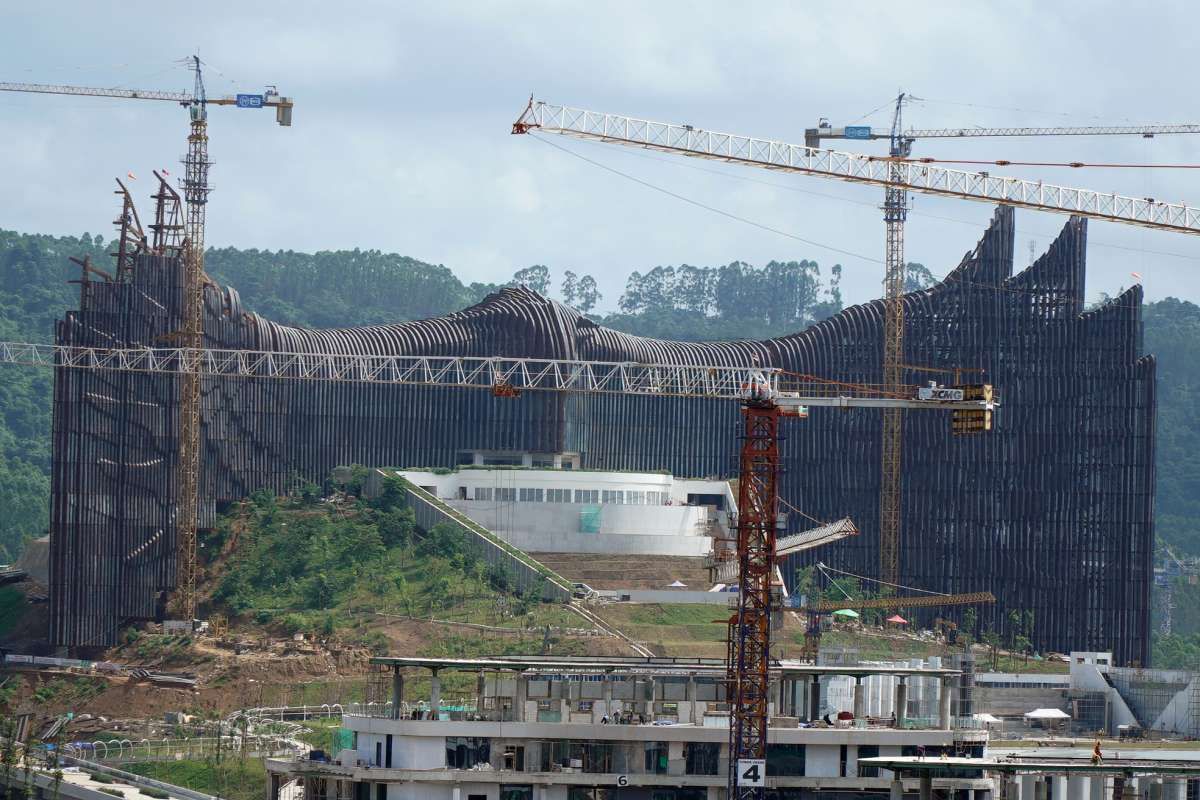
(1052, 512)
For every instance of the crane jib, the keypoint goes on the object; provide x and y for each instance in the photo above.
(980, 186)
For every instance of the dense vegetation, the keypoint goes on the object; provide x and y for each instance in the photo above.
(235, 777)
(34, 292)
(307, 564)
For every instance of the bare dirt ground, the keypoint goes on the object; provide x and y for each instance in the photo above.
(268, 672)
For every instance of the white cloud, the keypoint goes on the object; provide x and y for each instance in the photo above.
(401, 135)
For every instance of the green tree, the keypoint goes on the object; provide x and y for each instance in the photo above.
(536, 278)
(918, 277)
(587, 295)
(970, 621)
(570, 287)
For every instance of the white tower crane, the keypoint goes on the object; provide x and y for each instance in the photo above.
(898, 176)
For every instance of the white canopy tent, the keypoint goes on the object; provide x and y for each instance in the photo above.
(1047, 714)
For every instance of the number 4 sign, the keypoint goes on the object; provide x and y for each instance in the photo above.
(752, 772)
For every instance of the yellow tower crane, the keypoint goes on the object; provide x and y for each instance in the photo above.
(195, 192)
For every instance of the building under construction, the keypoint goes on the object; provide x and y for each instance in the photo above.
(1052, 512)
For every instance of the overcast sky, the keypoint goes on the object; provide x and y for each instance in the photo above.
(401, 137)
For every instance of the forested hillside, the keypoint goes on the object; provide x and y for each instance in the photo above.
(366, 287)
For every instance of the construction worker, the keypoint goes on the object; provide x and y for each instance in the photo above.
(1097, 757)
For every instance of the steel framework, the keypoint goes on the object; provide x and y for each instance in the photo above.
(283, 106)
(855, 168)
(167, 229)
(195, 192)
(813, 136)
(1052, 512)
(494, 373)
(749, 665)
(895, 211)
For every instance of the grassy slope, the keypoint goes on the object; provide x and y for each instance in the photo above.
(700, 630)
(232, 778)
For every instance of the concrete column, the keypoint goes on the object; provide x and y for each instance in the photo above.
(944, 693)
(397, 691)
(1096, 787)
(1174, 789)
(520, 695)
(435, 694)
(1010, 787)
(901, 702)
(926, 785)
(1077, 787)
(456, 792)
(1041, 788)
(1027, 787)
(480, 692)
(814, 698)
(1156, 789)
(896, 790)
(859, 692)
(675, 760)
(606, 689)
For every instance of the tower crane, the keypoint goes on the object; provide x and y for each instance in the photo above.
(766, 396)
(897, 176)
(895, 211)
(195, 191)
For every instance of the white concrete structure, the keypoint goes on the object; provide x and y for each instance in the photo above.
(1121, 697)
(577, 511)
(638, 729)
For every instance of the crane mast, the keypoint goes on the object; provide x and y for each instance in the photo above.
(195, 192)
(895, 211)
(749, 636)
(191, 334)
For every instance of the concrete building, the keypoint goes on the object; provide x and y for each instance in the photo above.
(565, 510)
(1098, 696)
(546, 728)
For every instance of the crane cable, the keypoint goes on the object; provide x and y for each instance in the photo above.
(809, 517)
(706, 207)
(884, 583)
